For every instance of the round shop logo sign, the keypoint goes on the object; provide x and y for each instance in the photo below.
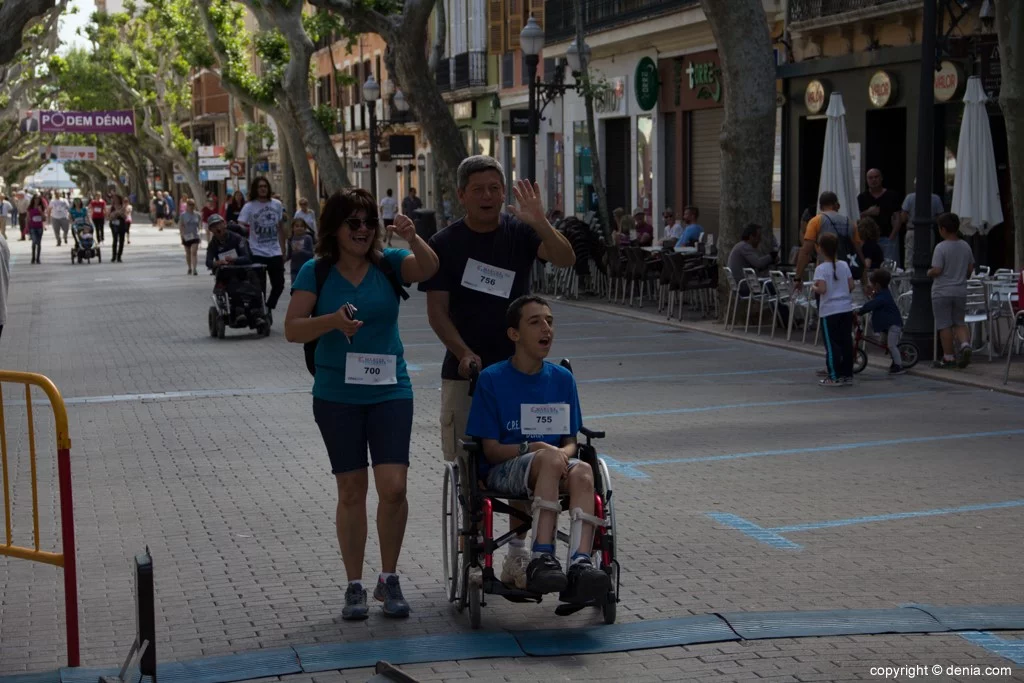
(881, 89)
(814, 97)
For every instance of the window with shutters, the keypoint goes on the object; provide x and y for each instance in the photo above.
(478, 25)
(496, 27)
(458, 26)
(515, 23)
(508, 76)
(536, 9)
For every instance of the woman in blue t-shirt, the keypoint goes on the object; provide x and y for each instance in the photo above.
(362, 395)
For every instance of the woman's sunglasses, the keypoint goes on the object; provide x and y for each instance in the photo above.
(355, 223)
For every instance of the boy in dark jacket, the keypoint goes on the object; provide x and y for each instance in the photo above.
(886, 319)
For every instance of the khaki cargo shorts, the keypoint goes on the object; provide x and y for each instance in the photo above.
(455, 402)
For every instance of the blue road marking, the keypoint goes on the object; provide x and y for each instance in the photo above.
(773, 535)
(1007, 649)
(762, 404)
(630, 467)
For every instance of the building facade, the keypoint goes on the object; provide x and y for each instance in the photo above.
(870, 51)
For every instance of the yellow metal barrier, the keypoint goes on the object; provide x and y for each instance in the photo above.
(65, 558)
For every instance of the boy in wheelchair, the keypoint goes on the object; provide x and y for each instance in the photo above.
(526, 412)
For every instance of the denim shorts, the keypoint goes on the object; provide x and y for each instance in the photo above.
(348, 429)
(512, 477)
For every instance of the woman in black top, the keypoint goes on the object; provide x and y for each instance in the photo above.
(234, 207)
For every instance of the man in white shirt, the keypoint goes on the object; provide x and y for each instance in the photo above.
(673, 226)
(906, 217)
(388, 211)
(262, 215)
(60, 217)
(307, 216)
(5, 280)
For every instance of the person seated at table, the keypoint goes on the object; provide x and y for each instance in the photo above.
(746, 255)
(539, 459)
(623, 236)
(693, 231)
(644, 230)
(673, 227)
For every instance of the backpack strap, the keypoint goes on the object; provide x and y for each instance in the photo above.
(389, 272)
(321, 269)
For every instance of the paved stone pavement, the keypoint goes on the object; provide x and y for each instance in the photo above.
(228, 484)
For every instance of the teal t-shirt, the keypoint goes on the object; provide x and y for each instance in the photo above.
(377, 308)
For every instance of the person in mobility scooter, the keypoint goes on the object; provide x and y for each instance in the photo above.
(525, 415)
(238, 295)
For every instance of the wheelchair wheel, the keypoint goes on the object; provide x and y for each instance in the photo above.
(451, 526)
(474, 604)
(909, 354)
(860, 361)
(212, 321)
(608, 610)
(221, 327)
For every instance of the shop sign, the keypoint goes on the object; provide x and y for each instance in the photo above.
(695, 82)
(947, 81)
(213, 162)
(612, 98)
(211, 151)
(705, 78)
(646, 84)
(214, 174)
(881, 89)
(360, 164)
(463, 110)
(815, 97)
(519, 121)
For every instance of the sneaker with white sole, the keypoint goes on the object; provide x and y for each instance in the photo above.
(355, 604)
(828, 382)
(513, 570)
(390, 593)
(964, 358)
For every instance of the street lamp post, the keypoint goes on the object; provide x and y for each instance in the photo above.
(541, 94)
(371, 93)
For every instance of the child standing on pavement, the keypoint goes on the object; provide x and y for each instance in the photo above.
(952, 264)
(885, 317)
(300, 247)
(833, 283)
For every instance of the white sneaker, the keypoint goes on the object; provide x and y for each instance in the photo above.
(513, 571)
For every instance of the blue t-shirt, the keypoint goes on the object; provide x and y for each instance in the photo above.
(500, 393)
(692, 233)
(377, 307)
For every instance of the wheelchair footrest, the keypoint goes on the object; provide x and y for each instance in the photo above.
(495, 587)
(569, 608)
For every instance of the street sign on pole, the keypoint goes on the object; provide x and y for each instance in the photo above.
(237, 167)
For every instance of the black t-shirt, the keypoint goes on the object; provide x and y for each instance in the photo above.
(478, 316)
(888, 203)
(873, 252)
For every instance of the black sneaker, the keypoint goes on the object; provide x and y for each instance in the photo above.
(947, 365)
(896, 370)
(544, 575)
(390, 593)
(586, 583)
(355, 604)
(964, 358)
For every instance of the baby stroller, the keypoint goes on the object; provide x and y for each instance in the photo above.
(85, 247)
(239, 300)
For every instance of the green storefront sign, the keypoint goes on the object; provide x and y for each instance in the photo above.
(705, 79)
(645, 84)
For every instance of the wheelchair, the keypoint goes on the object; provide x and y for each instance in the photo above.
(468, 540)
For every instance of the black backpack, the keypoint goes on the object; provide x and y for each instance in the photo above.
(845, 250)
(322, 269)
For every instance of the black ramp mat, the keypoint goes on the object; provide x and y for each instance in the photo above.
(641, 635)
(978, 617)
(847, 622)
(407, 651)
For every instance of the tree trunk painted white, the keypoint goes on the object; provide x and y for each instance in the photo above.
(1010, 23)
(747, 140)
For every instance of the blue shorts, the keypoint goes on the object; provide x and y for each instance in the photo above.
(348, 429)
(512, 477)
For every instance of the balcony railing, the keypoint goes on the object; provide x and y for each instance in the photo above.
(469, 69)
(599, 15)
(444, 75)
(809, 10)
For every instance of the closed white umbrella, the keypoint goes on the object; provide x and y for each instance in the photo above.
(837, 164)
(975, 186)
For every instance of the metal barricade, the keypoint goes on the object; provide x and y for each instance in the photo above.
(66, 557)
